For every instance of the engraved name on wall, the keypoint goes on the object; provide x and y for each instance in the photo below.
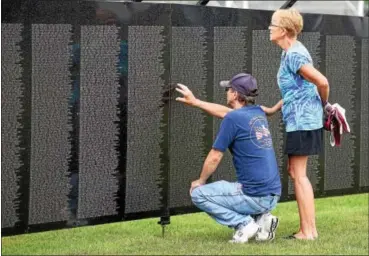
(364, 125)
(98, 132)
(145, 118)
(50, 126)
(340, 71)
(11, 109)
(189, 67)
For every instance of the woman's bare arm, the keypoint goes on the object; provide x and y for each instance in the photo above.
(313, 75)
(271, 111)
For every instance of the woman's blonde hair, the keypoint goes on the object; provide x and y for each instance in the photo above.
(291, 20)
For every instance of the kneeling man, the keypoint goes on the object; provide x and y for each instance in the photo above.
(244, 205)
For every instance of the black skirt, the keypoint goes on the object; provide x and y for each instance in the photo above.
(304, 143)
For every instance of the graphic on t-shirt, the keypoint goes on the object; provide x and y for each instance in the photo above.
(260, 134)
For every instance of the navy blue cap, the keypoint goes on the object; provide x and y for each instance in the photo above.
(242, 83)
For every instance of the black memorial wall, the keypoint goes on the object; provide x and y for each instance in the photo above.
(90, 129)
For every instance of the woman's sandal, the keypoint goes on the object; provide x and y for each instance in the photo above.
(293, 237)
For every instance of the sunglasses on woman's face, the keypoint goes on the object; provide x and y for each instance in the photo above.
(273, 25)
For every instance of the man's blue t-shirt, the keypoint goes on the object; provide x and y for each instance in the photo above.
(302, 108)
(245, 132)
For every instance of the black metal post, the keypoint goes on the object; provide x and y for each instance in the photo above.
(163, 222)
(288, 4)
(202, 2)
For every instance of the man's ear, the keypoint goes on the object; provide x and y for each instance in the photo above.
(235, 95)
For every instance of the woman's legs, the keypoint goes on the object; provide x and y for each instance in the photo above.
(304, 196)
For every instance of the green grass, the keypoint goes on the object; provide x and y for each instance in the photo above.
(342, 223)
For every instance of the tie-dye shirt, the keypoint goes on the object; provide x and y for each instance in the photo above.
(302, 108)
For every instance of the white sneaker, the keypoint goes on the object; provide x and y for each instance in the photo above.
(268, 224)
(245, 233)
(263, 236)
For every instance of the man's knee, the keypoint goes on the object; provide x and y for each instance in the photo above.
(197, 196)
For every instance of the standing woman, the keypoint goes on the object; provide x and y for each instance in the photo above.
(304, 93)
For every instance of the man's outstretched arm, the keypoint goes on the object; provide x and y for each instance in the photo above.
(188, 98)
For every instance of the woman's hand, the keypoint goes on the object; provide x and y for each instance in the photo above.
(271, 111)
(268, 111)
